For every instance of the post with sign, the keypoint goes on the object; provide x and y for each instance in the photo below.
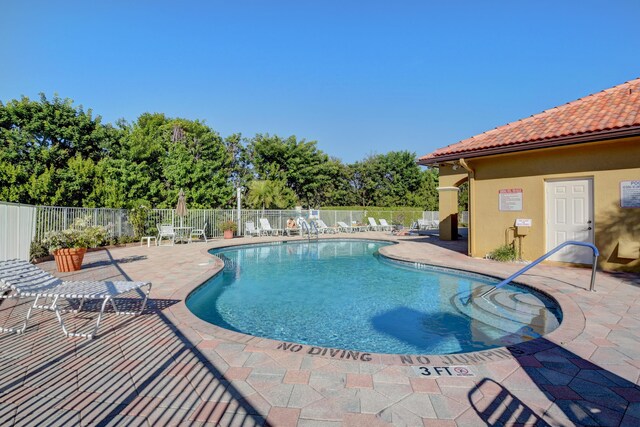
(523, 225)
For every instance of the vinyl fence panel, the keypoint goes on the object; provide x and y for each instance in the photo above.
(17, 230)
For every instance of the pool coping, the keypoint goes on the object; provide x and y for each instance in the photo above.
(572, 325)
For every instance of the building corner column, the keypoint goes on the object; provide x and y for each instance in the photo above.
(448, 210)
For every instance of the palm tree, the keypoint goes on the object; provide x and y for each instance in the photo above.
(267, 194)
(260, 194)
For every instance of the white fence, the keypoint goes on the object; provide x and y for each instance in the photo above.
(17, 230)
(22, 224)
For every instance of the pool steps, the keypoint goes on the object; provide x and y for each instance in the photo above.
(503, 313)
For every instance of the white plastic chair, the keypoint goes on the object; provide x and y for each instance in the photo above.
(323, 228)
(165, 231)
(342, 226)
(373, 225)
(265, 227)
(199, 232)
(20, 279)
(250, 229)
(384, 225)
(357, 227)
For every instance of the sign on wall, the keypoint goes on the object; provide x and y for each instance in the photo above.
(510, 199)
(630, 194)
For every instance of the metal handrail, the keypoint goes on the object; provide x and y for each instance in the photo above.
(307, 228)
(313, 226)
(596, 254)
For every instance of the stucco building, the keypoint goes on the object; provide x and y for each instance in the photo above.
(569, 173)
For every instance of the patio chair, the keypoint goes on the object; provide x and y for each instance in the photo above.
(21, 279)
(265, 228)
(165, 231)
(357, 227)
(199, 232)
(323, 228)
(342, 226)
(250, 229)
(384, 225)
(373, 225)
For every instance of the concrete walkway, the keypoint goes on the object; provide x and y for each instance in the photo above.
(167, 367)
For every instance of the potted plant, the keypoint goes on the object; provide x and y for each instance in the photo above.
(228, 228)
(69, 246)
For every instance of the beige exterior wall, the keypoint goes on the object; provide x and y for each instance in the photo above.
(448, 200)
(607, 163)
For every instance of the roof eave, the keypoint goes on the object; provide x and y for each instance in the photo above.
(534, 145)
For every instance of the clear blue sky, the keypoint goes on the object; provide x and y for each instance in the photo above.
(359, 77)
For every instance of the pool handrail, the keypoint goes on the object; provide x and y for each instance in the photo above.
(308, 227)
(596, 254)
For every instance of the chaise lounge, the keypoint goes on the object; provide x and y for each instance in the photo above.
(21, 279)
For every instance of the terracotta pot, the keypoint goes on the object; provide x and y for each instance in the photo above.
(69, 259)
(228, 234)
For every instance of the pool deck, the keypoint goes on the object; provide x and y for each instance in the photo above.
(166, 367)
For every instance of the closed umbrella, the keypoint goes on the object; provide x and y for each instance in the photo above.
(181, 208)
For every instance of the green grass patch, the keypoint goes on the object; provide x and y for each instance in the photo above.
(504, 253)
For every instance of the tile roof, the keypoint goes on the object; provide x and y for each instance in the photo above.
(612, 109)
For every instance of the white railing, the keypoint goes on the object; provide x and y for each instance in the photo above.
(22, 224)
(53, 218)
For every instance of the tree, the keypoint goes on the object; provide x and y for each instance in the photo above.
(426, 196)
(267, 194)
(44, 144)
(178, 153)
(391, 179)
(300, 164)
(54, 153)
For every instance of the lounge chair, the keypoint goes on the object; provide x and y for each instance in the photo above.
(342, 226)
(323, 228)
(20, 279)
(373, 225)
(265, 228)
(357, 227)
(250, 229)
(165, 231)
(198, 232)
(384, 225)
(290, 231)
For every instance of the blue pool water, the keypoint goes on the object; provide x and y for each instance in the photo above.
(342, 294)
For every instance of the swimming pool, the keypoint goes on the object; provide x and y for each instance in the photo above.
(343, 294)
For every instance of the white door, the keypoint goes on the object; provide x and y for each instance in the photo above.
(570, 217)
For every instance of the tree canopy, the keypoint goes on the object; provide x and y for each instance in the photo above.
(54, 153)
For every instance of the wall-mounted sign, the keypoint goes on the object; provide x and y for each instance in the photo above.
(523, 222)
(510, 199)
(630, 194)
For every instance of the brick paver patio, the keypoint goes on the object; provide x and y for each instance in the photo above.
(167, 367)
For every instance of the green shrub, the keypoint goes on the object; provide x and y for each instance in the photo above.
(138, 217)
(403, 215)
(123, 240)
(38, 250)
(504, 253)
(228, 225)
(81, 235)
